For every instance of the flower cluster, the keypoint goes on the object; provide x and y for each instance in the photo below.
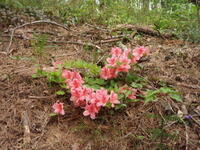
(93, 100)
(120, 61)
(87, 98)
(58, 108)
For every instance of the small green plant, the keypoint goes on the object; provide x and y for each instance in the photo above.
(153, 95)
(88, 69)
(60, 92)
(39, 42)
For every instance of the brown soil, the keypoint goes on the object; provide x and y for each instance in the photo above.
(26, 102)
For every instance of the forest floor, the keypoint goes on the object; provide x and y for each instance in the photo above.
(26, 102)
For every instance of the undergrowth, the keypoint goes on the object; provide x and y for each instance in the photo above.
(178, 17)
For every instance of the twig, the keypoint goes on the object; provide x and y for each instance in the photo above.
(101, 58)
(170, 124)
(195, 121)
(78, 43)
(109, 41)
(66, 55)
(4, 53)
(43, 32)
(186, 137)
(31, 23)
(39, 97)
(26, 123)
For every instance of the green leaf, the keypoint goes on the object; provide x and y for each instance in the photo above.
(92, 81)
(166, 90)
(90, 68)
(96, 87)
(53, 114)
(133, 100)
(60, 92)
(120, 106)
(176, 96)
(133, 78)
(39, 73)
(136, 85)
(151, 96)
(140, 137)
(34, 76)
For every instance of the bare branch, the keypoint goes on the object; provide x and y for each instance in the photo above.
(31, 23)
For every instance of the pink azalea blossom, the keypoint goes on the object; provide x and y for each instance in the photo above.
(78, 77)
(112, 61)
(67, 74)
(82, 95)
(77, 96)
(116, 51)
(75, 83)
(124, 64)
(88, 94)
(113, 99)
(133, 93)
(141, 50)
(126, 52)
(138, 52)
(102, 97)
(108, 73)
(58, 108)
(91, 110)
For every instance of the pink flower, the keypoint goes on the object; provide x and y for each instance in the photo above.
(75, 83)
(108, 73)
(91, 110)
(78, 77)
(73, 79)
(77, 96)
(67, 74)
(113, 99)
(82, 95)
(102, 97)
(112, 61)
(58, 108)
(116, 51)
(138, 53)
(133, 93)
(126, 52)
(88, 94)
(124, 64)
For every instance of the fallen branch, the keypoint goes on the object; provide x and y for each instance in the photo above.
(77, 43)
(144, 30)
(26, 123)
(117, 38)
(109, 41)
(31, 23)
(186, 137)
